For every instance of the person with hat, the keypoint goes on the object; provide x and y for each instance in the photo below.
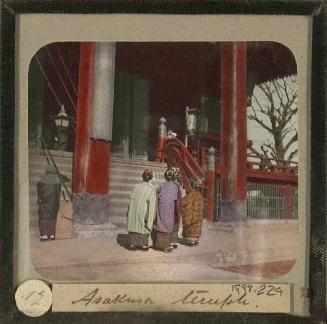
(178, 208)
(192, 216)
(141, 213)
(48, 193)
(167, 198)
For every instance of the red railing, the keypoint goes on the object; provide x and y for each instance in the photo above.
(177, 155)
(271, 165)
(261, 168)
(260, 171)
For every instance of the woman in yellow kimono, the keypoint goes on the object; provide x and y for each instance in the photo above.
(141, 213)
(192, 216)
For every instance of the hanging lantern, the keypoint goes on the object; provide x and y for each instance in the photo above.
(62, 119)
(191, 123)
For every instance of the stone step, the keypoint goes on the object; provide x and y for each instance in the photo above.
(119, 195)
(35, 179)
(136, 170)
(118, 221)
(39, 166)
(38, 171)
(118, 211)
(115, 162)
(95, 231)
(141, 163)
(131, 171)
(40, 159)
(120, 202)
(136, 177)
(129, 181)
(123, 184)
(33, 192)
(124, 175)
(135, 167)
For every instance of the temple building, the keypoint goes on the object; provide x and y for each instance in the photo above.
(103, 112)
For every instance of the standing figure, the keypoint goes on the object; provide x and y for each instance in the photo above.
(193, 208)
(178, 207)
(48, 193)
(167, 198)
(141, 213)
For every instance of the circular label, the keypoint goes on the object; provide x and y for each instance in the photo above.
(33, 298)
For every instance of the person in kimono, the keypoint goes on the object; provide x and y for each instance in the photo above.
(48, 193)
(192, 216)
(167, 199)
(141, 213)
(178, 208)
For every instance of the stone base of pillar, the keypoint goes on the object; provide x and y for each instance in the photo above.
(233, 210)
(91, 209)
(83, 232)
(91, 216)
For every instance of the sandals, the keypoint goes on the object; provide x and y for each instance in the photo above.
(174, 245)
(45, 238)
(189, 243)
(140, 248)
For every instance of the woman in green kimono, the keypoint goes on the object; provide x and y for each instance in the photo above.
(141, 213)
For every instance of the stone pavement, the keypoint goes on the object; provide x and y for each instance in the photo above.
(249, 250)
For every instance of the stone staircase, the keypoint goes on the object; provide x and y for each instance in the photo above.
(124, 175)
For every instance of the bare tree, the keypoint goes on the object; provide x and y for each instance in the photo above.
(274, 108)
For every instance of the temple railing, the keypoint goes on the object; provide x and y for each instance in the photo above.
(271, 187)
(271, 165)
(271, 170)
(176, 154)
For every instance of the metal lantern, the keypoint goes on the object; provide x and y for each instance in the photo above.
(162, 128)
(62, 119)
(191, 122)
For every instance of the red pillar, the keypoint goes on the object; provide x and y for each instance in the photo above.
(234, 130)
(84, 102)
(91, 159)
(98, 168)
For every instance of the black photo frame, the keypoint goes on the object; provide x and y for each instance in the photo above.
(317, 291)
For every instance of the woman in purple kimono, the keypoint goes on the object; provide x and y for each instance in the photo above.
(167, 198)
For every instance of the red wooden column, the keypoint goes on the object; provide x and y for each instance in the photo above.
(234, 130)
(91, 160)
(92, 153)
(98, 167)
(83, 116)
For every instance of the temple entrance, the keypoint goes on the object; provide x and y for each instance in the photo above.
(130, 116)
(161, 84)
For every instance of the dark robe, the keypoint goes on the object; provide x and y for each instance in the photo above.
(48, 199)
(48, 192)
